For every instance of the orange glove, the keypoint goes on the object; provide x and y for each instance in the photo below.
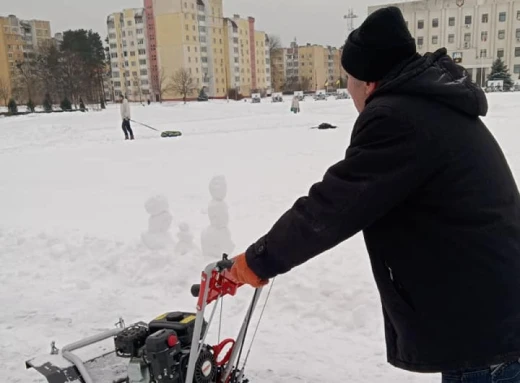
(241, 273)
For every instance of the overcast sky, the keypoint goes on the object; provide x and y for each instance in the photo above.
(310, 21)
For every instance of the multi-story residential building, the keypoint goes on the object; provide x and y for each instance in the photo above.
(127, 38)
(190, 35)
(19, 41)
(247, 56)
(152, 51)
(308, 67)
(475, 34)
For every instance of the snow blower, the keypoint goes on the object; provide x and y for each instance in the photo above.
(169, 349)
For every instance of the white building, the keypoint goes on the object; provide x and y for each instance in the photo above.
(128, 52)
(475, 34)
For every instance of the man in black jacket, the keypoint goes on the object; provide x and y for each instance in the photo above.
(430, 188)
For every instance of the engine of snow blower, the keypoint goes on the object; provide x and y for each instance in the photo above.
(159, 351)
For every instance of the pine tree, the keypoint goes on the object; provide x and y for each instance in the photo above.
(30, 106)
(47, 103)
(499, 71)
(12, 108)
(65, 104)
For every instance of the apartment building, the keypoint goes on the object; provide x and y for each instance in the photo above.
(152, 51)
(308, 67)
(19, 41)
(475, 34)
(248, 62)
(129, 61)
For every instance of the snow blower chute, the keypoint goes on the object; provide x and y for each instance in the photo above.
(169, 349)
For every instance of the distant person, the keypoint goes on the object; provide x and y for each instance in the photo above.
(125, 116)
(295, 106)
(430, 188)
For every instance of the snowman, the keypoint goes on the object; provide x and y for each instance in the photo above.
(158, 236)
(216, 238)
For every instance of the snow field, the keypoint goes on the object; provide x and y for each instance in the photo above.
(72, 195)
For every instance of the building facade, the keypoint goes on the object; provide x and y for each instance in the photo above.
(306, 67)
(475, 34)
(152, 51)
(19, 41)
(128, 44)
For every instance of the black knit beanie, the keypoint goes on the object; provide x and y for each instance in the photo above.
(379, 44)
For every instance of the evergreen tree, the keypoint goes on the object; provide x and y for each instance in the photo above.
(499, 71)
(12, 108)
(30, 106)
(47, 103)
(65, 104)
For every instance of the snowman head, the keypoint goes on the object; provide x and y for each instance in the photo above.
(218, 188)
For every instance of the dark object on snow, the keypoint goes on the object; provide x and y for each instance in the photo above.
(82, 105)
(171, 133)
(324, 125)
(430, 188)
(65, 104)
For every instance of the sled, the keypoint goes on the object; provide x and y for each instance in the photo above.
(171, 133)
(169, 349)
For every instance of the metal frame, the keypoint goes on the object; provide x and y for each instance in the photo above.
(196, 344)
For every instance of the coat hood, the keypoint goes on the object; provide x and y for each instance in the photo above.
(435, 76)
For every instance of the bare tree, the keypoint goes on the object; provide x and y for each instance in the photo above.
(274, 43)
(183, 84)
(4, 91)
(165, 84)
(137, 84)
(305, 83)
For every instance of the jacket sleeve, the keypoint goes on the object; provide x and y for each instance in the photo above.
(380, 169)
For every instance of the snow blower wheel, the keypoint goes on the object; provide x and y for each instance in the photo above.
(169, 349)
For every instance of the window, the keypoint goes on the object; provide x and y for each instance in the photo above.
(502, 17)
(435, 40)
(435, 23)
(517, 52)
(142, 62)
(501, 34)
(420, 24)
(518, 15)
(483, 53)
(144, 72)
(142, 51)
(467, 37)
(483, 36)
(420, 41)
(516, 69)
(129, 23)
(485, 18)
(518, 33)
(467, 20)
(451, 39)
(451, 21)
(500, 53)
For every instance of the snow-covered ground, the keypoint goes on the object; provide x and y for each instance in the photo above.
(72, 196)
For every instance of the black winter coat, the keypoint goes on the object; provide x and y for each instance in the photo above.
(430, 188)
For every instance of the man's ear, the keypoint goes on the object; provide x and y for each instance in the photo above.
(370, 88)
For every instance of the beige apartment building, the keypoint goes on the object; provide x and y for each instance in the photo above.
(475, 34)
(19, 41)
(307, 67)
(128, 54)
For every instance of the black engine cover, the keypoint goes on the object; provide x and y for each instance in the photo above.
(182, 323)
(128, 343)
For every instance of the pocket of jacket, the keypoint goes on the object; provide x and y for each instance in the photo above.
(400, 290)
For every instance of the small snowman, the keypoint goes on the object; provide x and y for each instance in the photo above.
(216, 238)
(158, 236)
(185, 243)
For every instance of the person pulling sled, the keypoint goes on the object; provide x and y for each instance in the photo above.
(125, 116)
(430, 188)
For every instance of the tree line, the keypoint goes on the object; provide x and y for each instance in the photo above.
(69, 72)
